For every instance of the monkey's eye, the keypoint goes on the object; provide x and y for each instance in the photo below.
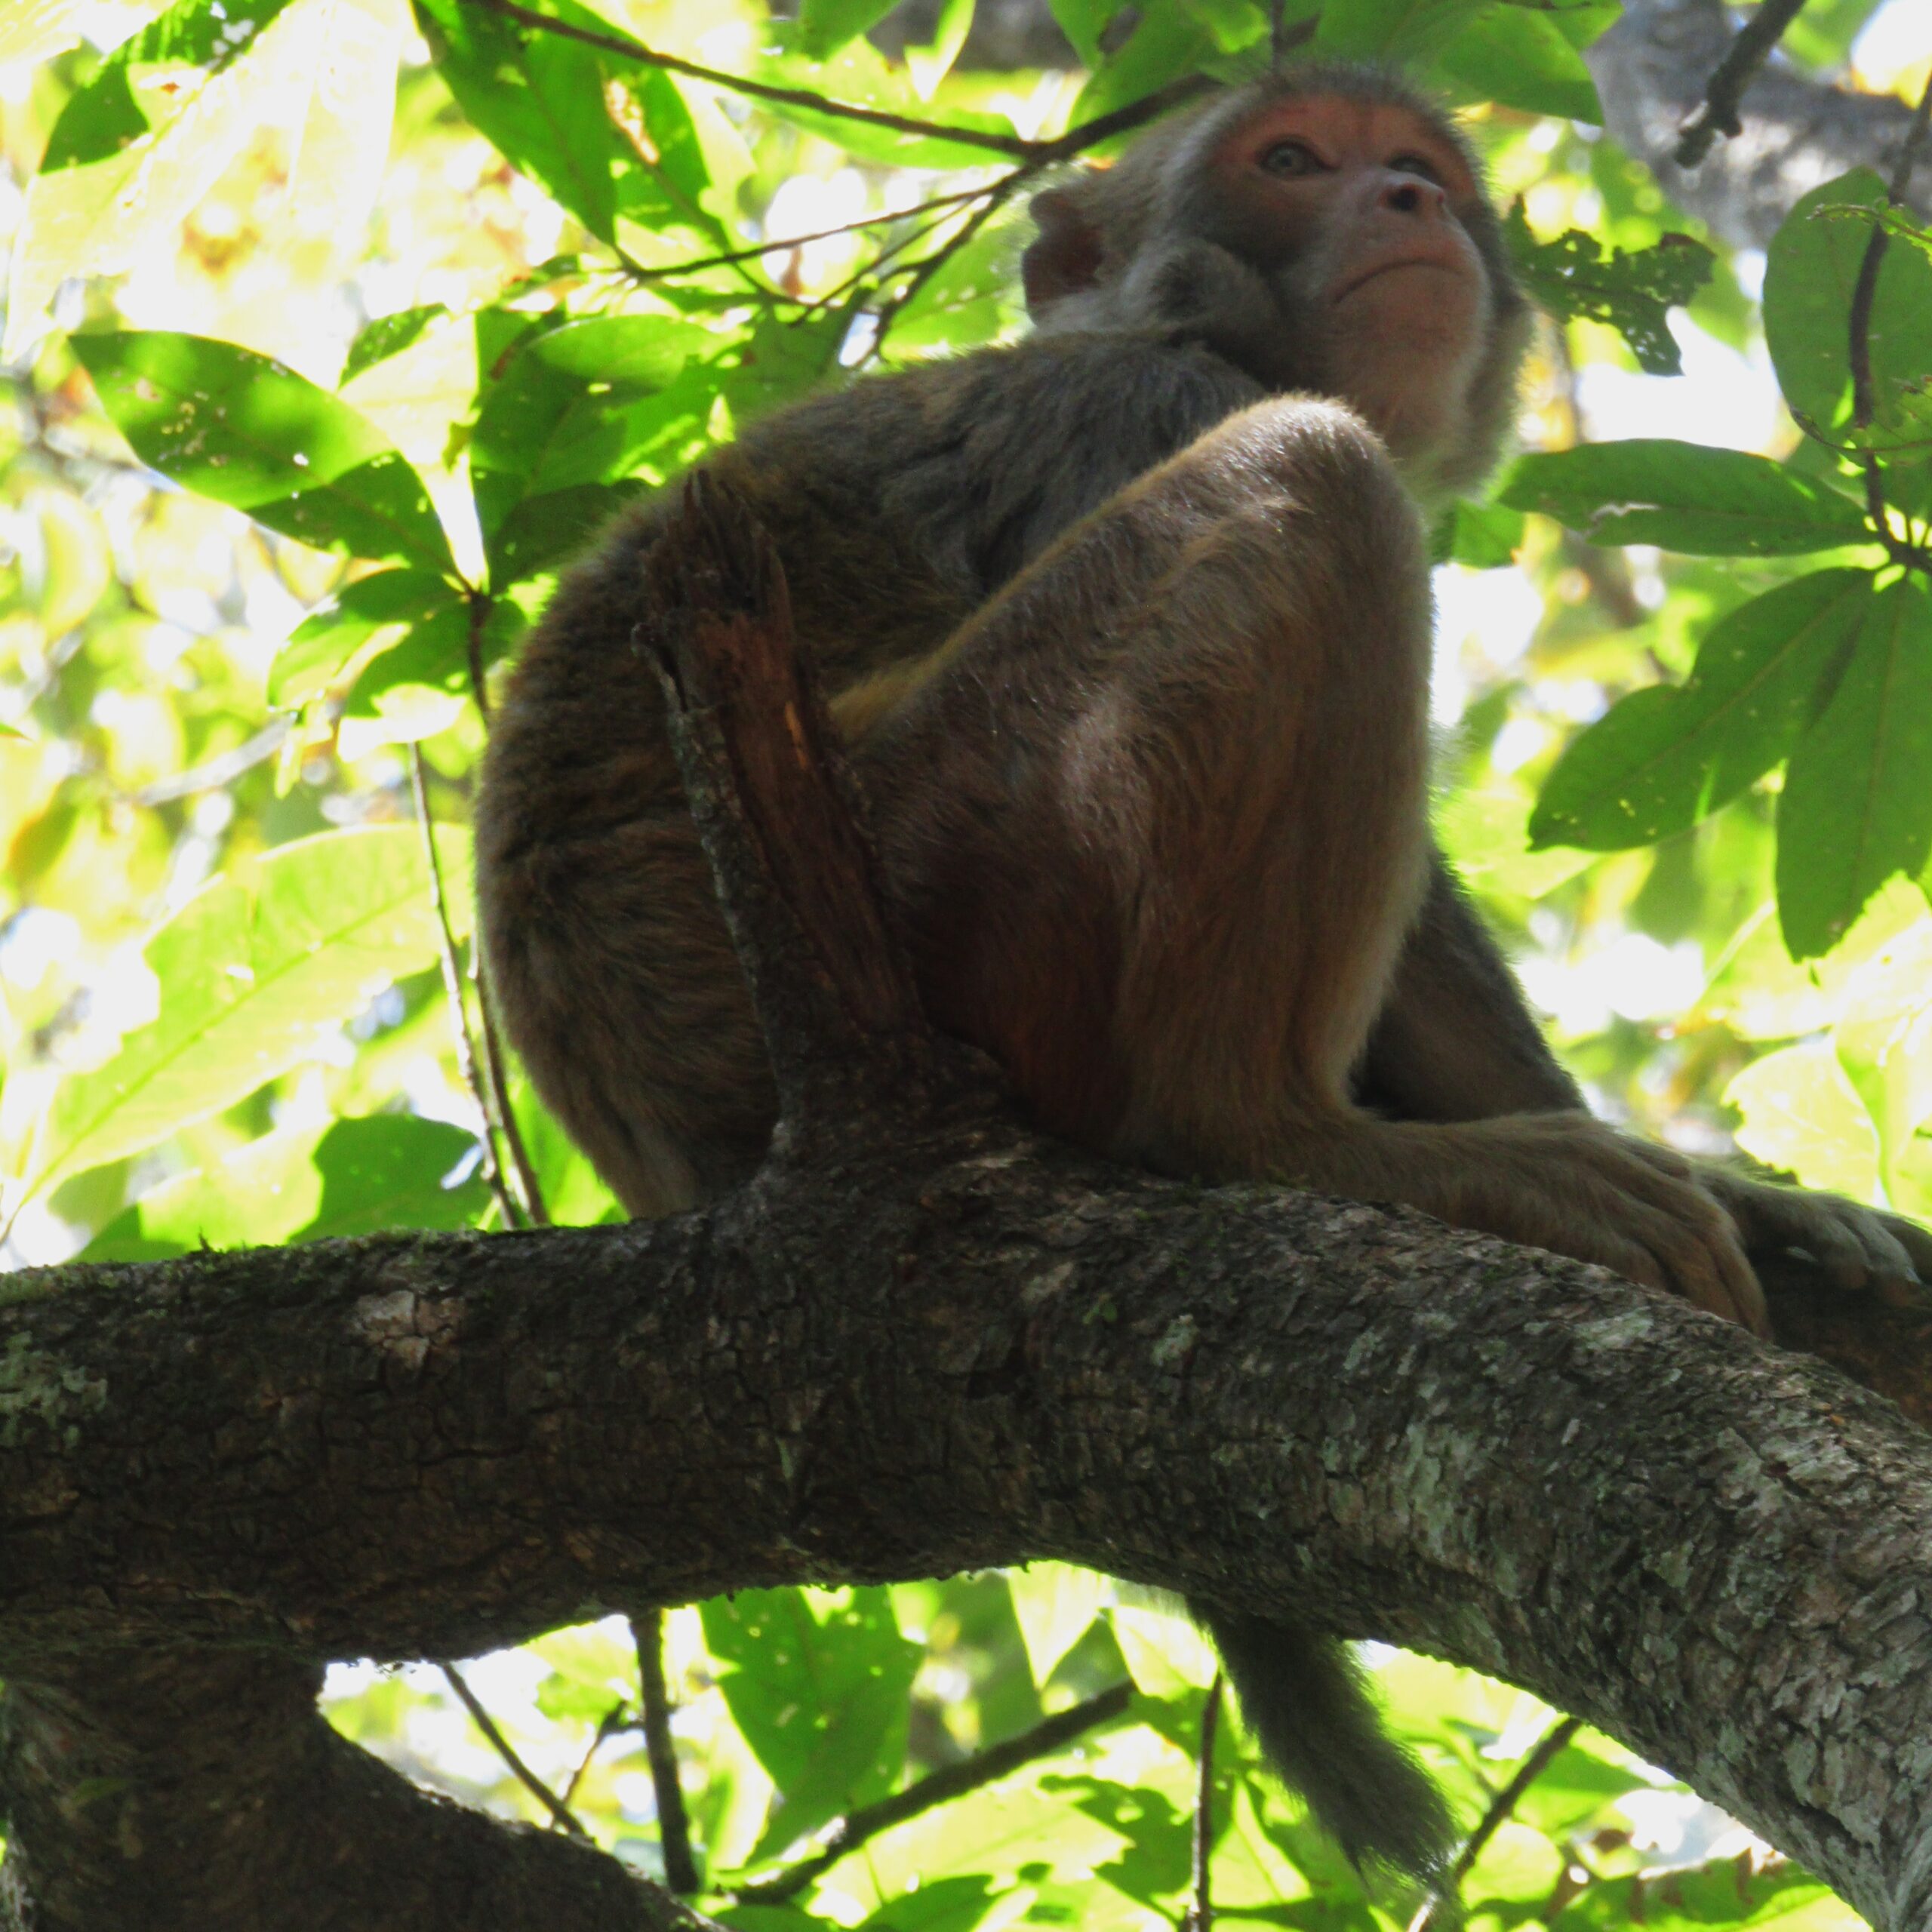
(1291, 159)
(1416, 163)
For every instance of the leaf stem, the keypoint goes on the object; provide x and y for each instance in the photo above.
(1200, 1915)
(446, 956)
(1864, 294)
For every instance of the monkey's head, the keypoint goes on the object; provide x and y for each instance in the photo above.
(1324, 230)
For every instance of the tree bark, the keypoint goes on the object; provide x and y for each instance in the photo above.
(977, 1350)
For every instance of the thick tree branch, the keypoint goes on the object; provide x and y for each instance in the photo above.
(970, 1351)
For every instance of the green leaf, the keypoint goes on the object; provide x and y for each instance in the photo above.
(1633, 291)
(1883, 1042)
(1810, 272)
(388, 335)
(1166, 44)
(1856, 805)
(1083, 22)
(1485, 537)
(1727, 1892)
(247, 974)
(323, 643)
(1406, 30)
(1231, 24)
(1665, 757)
(536, 97)
(825, 26)
(1166, 1655)
(1055, 1604)
(818, 1682)
(1684, 496)
(37, 30)
(562, 416)
(345, 1177)
(136, 147)
(1521, 58)
(247, 432)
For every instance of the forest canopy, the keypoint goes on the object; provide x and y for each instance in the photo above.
(334, 327)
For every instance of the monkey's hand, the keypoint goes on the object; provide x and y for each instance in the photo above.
(1569, 1183)
(1857, 1247)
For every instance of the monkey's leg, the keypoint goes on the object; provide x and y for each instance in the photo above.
(1157, 820)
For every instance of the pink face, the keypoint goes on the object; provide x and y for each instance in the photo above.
(1363, 202)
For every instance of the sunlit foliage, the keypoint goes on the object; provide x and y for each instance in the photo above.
(333, 327)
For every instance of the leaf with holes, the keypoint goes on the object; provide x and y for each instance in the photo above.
(249, 433)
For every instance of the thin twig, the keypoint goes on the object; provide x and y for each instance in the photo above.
(567, 1818)
(1864, 402)
(782, 244)
(673, 1832)
(466, 1048)
(1505, 1801)
(480, 601)
(530, 1193)
(1200, 1915)
(1016, 145)
(954, 1781)
(616, 1718)
(1731, 77)
(918, 273)
(1059, 147)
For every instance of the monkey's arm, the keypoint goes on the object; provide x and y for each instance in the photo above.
(1456, 1041)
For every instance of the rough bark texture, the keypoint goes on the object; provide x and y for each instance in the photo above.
(968, 1351)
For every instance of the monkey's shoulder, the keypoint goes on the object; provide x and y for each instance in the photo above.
(973, 465)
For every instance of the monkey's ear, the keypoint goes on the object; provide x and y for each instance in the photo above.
(1066, 258)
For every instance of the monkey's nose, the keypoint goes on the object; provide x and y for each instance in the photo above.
(1408, 194)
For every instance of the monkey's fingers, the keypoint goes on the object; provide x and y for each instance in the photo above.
(1689, 1238)
(1706, 1265)
(1858, 1247)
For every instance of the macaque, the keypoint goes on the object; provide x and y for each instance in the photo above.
(1128, 624)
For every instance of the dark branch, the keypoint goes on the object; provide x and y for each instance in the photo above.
(777, 805)
(674, 1830)
(560, 1814)
(628, 49)
(1735, 72)
(998, 1761)
(1492, 1820)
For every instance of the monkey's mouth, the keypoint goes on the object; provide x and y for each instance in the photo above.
(1375, 271)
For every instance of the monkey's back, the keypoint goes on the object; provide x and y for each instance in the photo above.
(898, 507)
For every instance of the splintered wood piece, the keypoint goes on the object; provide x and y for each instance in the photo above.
(775, 800)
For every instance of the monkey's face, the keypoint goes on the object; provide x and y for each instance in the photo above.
(1356, 211)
